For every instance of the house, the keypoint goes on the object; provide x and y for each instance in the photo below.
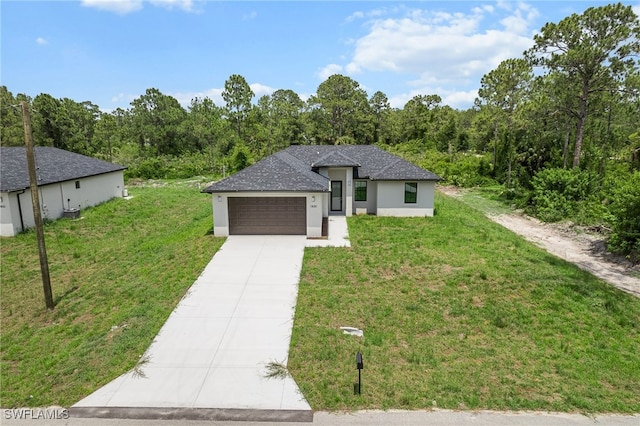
(67, 182)
(292, 191)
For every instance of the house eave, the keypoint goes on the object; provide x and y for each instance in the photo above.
(236, 191)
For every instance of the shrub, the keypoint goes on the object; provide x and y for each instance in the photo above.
(464, 170)
(625, 211)
(557, 193)
(169, 167)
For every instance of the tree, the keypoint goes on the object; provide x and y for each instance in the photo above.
(595, 49)
(380, 107)
(344, 105)
(46, 131)
(501, 91)
(418, 117)
(11, 130)
(238, 95)
(108, 135)
(157, 120)
(206, 130)
(287, 109)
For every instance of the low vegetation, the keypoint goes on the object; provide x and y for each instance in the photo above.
(116, 274)
(460, 313)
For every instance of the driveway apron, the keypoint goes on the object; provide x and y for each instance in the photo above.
(209, 360)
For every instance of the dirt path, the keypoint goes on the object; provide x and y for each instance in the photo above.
(587, 251)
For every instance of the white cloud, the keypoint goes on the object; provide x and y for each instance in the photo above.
(460, 99)
(636, 9)
(443, 50)
(186, 5)
(42, 41)
(370, 14)
(261, 90)
(329, 70)
(121, 7)
(121, 97)
(355, 16)
(185, 98)
(250, 16)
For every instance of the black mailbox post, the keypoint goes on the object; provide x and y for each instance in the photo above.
(357, 387)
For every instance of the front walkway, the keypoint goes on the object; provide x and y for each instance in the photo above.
(338, 234)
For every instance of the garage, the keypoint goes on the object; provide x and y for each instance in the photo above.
(267, 215)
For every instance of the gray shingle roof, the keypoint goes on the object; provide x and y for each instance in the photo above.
(291, 169)
(278, 172)
(54, 165)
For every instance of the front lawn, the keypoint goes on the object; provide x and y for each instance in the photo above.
(460, 313)
(116, 275)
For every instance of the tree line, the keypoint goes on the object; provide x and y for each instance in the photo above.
(557, 127)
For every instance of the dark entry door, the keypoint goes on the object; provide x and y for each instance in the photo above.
(336, 195)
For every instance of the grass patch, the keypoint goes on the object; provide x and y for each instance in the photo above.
(460, 313)
(116, 275)
(488, 200)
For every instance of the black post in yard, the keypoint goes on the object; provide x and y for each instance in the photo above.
(357, 387)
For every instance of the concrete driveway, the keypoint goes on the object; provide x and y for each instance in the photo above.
(209, 359)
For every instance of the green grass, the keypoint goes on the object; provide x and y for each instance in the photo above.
(486, 199)
(116, 275)
(457, 312)
(460, 313)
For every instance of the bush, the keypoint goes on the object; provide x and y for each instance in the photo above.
(169, 167)
(150, 168)
(557, 193)
(625, 211)
(463, 170)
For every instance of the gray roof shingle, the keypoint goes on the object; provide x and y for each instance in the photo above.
(278, 172)
(291, 169)
(53, 165)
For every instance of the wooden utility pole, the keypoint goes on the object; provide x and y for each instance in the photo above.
(35, 201)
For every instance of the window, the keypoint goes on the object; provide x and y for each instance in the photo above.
(361, 190)
(410, 192)
(77, 184)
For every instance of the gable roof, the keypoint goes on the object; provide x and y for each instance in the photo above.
(53, 165)
(278, 172)
(293, 169)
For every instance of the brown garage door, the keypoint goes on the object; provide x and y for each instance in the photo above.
(267, 215)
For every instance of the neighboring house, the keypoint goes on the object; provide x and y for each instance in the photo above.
(292, 191)
(67, 182)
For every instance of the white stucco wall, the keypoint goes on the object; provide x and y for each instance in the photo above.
(371, 204)
(56, 197)
(8, 207)
(315, 206)
(390, 199)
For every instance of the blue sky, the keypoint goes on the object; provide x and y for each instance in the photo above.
(110, 51)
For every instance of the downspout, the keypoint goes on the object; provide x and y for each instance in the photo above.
(20, 210)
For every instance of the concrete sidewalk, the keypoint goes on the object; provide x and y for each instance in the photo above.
(209, 359)
(374, 418)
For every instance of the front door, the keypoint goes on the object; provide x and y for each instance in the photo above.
(336, 195)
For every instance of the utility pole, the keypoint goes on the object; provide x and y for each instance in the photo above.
(35, 201)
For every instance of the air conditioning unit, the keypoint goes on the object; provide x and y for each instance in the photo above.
(71, 213)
